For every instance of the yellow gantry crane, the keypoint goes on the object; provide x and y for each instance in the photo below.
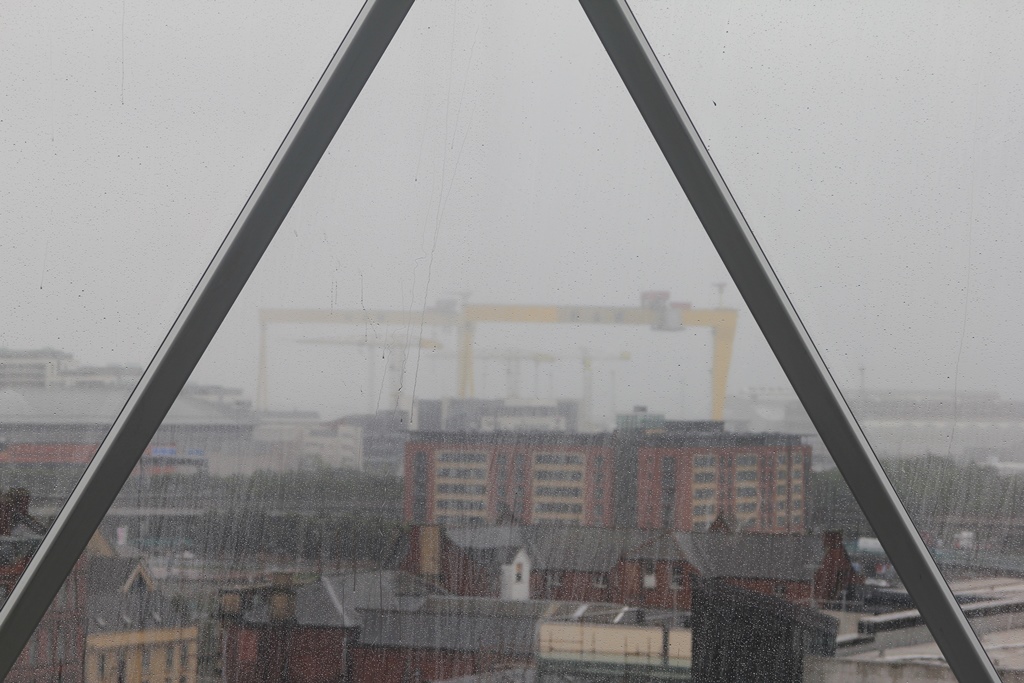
(655, 311)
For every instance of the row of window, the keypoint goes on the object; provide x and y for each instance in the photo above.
(559, 459)
(462, 457)
(560, 491)
(574, 508)
(121, 659)
(461, 505)
(462, 473)
(475, 489)
(558, 475)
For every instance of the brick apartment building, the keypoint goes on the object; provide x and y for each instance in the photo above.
(639, 568)
(526, 477)
(679, 476)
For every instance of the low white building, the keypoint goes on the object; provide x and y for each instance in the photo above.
(303, 441)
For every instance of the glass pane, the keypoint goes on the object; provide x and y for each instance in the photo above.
(872, 148)
(132, 133)
(337, 495)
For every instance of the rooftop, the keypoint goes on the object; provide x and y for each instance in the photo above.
(99, 405)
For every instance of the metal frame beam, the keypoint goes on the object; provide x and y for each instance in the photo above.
(198, 322)
(725, 224)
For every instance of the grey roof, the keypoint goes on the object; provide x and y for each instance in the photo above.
(452, 630)
(109, 574)
(100, 405)
(488, 545)
(134, 610)
(761, 556)
(575, 548)
(586, 549)
(660, 546)
(597, 550)
(396, 608)
(484, 625)
(485, 537)
(337, 601)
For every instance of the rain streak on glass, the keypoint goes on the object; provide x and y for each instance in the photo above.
(490, 409)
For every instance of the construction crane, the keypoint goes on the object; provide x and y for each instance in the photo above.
(371, 365)
(655, 311)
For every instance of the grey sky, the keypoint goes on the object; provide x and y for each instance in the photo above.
(876, 156)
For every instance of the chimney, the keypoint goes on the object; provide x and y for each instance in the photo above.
(430, 550)
(282, 598)
(231, 604)
(833, 540)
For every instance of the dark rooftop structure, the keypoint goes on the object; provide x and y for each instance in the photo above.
(739, 635)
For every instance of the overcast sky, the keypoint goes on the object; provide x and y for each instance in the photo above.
(875, 150)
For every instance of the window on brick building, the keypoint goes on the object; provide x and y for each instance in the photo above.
(705, 461)
(650, 578)
(678, 576)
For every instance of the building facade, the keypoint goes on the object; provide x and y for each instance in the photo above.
(676, 475)
(525, 477)
(686, 479)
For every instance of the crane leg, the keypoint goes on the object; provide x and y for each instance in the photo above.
(724, 332)
(465, 351)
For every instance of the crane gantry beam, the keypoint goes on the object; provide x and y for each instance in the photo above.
(654, 312)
